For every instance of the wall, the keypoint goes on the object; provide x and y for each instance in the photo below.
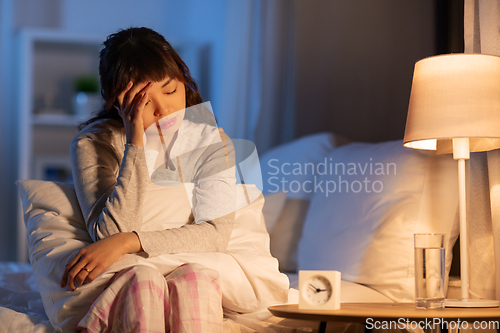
(185, 24)
(365, 52)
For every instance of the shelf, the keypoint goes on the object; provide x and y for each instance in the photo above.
(56, 120)
(48, 63)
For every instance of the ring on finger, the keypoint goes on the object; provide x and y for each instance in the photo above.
(86, 269)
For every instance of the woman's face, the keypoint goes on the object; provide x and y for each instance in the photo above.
(166, 101)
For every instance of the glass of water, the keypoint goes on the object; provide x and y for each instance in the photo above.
(429, 271)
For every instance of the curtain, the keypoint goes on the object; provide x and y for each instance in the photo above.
(276, 122)
(240, 102)
(257, 79)
(481, 35)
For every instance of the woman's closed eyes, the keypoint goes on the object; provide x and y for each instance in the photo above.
(165, 93)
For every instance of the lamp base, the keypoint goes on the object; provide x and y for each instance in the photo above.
(471, 303)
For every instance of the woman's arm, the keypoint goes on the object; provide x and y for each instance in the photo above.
(110, 195)
(112, 217)
(209, 236)
(95, 258)
(110, 181)
(109, 186)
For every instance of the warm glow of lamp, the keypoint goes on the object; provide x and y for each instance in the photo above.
(455, 108)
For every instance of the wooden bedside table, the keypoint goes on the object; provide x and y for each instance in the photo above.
(378, 312)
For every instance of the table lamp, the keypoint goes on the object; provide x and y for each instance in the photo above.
(455, 108)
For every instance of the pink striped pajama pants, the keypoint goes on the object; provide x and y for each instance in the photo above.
(141, 299)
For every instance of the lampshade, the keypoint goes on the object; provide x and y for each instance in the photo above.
(455, 96)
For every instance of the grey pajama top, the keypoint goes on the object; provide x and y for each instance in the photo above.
(111, 176)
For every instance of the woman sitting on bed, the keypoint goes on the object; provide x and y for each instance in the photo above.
(150, 114)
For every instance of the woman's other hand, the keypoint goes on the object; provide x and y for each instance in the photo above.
(97, 257)
(132, 101)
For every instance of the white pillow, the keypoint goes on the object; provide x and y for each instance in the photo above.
(287, 232)
(284, 168)
(365, 229)
(56, 231)
(272, 209)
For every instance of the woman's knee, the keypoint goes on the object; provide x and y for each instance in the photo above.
(141, 273)
(194, 269)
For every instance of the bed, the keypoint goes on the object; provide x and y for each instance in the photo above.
(328, 205)
(22, 308)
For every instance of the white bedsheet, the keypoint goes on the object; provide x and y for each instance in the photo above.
(21, 308)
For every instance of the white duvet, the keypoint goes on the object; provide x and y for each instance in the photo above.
(250, 280)
(21, 308)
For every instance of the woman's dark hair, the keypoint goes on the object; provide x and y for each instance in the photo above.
(138, 55)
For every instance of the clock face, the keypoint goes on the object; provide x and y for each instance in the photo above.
(317, 290)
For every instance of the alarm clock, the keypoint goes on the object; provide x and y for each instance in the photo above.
(319, 290)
